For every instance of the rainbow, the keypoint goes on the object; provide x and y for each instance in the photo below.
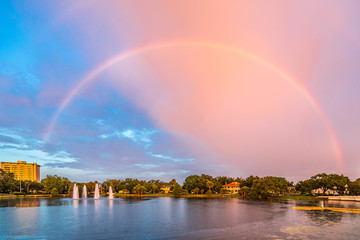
(91, 77)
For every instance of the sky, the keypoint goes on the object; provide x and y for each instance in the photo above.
(93, 90)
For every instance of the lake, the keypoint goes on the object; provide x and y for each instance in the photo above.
(171, 218)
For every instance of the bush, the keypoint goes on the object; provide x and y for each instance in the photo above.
(177, 190)
(18, 193)
(54, 192)
(209, 192)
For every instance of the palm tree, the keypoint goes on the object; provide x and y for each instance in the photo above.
(139, 189)
(209, 184)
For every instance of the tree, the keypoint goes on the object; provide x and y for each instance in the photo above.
(54, 192)
(260, 189)
(244, 191)
(130, 184)
(268, 186)
(173, 182)
(354, 187)
(196, 190)
(249, 181)
(139, 189)
(210, 185)
(329, 181)
(306, 186)
(63, 185)
(192, 182)
(8, 184)
(195, 181)
(154, 188)
(32, 186)
(223, 191)
(177, 190)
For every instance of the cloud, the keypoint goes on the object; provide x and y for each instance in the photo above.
(142, 137)
(185, 109)
(170, 158)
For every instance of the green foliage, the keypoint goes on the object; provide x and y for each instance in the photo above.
(223, 191)
(139, 189)
(54, 192)
(244, 191)
(177, 190)
(268, 186)
(63, 185)
(18, 193)
(195, 191)
(324, 181)
(329, 181)
(209, 192)
(354, 187)
(196, 181)
(209, 185)
(249, 181)
(8, 184)
(306, 186)
(33, 186)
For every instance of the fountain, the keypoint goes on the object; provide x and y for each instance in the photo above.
(111, 195)
(84, 193)
(75, 192)
(97, 194)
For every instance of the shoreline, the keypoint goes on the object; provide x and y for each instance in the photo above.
(195, 196)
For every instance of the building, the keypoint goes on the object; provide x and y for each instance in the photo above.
(22, 171)
(317, 191)
(165, 189)
(232, 188)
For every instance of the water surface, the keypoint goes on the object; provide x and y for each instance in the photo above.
(171, 218)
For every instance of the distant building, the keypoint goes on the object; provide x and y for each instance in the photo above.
(291, 190)
(124, 191)
(22, 171)
(232, 188)
(165, 189)
(317, 191)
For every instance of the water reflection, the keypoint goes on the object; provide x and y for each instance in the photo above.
(170, 218)
(20, 202)
(324, 217)
(76, 203)
(111, 202)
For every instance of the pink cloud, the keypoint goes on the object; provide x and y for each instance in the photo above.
(245, 114)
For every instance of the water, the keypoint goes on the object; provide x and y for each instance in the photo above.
(111, 195)
(84, 193)
(75, 192)
(96, 194)
(171, 218)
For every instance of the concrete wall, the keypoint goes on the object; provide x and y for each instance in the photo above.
(344, 198)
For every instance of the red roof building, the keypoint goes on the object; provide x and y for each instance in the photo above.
(232, 188)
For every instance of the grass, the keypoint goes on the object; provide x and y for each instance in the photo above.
(28, 196)
(346, 210)
(298, 197)
(123, 195)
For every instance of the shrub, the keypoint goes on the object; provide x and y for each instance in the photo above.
(54, 192)
(177, 190)
(18, 193)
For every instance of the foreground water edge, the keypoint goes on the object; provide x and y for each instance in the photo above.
(175, 218)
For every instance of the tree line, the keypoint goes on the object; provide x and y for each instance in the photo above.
(250, 187)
